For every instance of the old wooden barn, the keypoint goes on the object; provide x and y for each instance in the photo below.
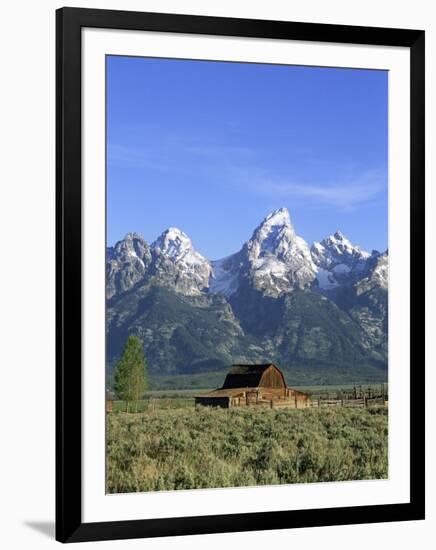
(254, 386)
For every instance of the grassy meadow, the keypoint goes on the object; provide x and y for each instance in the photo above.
(172, 445)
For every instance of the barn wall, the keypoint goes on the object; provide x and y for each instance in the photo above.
(272, 378)
(271, 398)
(269, 392)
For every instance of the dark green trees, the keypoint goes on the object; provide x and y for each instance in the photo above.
(130, 373)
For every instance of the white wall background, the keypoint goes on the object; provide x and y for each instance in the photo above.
(27, 324)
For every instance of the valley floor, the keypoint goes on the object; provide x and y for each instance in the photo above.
(187, 448)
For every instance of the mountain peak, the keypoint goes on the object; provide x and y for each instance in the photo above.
(279, 260)
(173, 242)
(338, 260)
(273, 231)
(174, 233)
(341, 244)
(177, 246)
(338, 239)
(278, 217)
(133, 236)
(175, 230)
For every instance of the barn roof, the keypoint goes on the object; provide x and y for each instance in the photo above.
(239, 368)
(245, 375)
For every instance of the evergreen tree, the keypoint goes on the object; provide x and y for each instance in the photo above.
(130, 373)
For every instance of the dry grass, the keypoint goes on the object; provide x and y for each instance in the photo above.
(198, 448)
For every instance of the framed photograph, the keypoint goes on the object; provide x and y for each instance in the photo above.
(240, 263)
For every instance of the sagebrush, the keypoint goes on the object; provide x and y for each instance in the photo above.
(200, 448)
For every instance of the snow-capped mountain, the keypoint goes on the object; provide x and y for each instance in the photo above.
(170, 261)
(177, 264)
(337, 261)
(279, 260)
(177, 246)
(126, 263)
(375, 274)
(276, 299)
(225, 274)
(274, 261)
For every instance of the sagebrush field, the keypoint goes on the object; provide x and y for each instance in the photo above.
(187, 448)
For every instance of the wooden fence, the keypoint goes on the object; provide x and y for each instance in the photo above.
(358, 402)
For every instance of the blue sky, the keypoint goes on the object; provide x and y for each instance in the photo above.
(213, 147)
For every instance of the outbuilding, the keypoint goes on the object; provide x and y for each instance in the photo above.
(254, 386)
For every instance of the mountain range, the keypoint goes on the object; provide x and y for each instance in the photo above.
(320, 312)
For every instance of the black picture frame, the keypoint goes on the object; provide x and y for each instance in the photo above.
(69, 525)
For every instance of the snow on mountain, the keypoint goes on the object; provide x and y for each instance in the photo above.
(380, 273)
(337, 249)
(274, 261)
(336, 260)
(126, 263)
(376, 273)
(274, 235)
(178, 265)
(170, 261)
(133, 247)
(177, 246)
(279, 259)
(225, 275)
(326, 279)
